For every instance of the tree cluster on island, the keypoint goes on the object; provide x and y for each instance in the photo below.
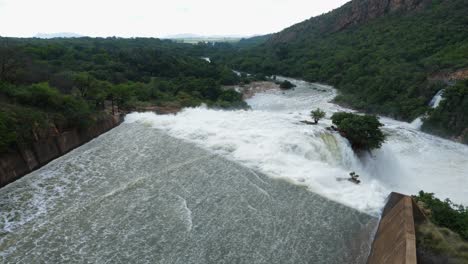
(362, 131)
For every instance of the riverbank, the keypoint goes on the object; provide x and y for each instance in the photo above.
(23, 160)
(247, 91)
(160, 110)
(253, 88)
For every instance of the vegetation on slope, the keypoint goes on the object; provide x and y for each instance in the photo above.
(64, 83)
(445, 213)
(440, 245)
(450, 119)
(445, 238)
(381, 65)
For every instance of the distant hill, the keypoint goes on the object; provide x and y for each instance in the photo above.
(383, 56)
(190, 35)
(57, 35)
(194, 38)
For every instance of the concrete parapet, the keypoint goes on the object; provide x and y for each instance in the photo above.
(395, 240)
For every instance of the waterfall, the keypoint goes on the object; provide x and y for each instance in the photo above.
(206, 59)
(270, 138)
(434, 103)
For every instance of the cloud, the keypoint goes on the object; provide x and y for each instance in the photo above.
(147, 18)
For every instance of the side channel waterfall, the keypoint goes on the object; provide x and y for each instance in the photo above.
(213, 186)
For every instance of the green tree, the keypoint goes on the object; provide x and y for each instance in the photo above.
(317, 114)
(83, 83)
(7, 134)
(120, 95)
(362, 131)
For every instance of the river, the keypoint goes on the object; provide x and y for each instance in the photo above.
(213, 186)
(271, 139)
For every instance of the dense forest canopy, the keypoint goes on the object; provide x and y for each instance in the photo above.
(66, 83)
(386, 65)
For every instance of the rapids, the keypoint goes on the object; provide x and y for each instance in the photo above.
(137, 195)
(213, 186)
(271, 139)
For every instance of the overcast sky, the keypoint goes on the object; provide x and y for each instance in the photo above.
(145, 18)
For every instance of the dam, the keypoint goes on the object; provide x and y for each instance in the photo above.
(136, 195)
(213, 186)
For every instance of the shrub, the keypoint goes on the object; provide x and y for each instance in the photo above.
(317, 114)
(7, 135)
(445, 213)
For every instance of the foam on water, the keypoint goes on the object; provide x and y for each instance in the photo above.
(435, 102)
(137, 195)
(427, 162)
(276, 144)
(271, 138)
(131, 193)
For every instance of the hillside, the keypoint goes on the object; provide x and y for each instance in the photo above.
(353, 13)
(385, 56)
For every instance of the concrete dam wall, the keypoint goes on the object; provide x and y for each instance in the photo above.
(395, 240)
(22, 161)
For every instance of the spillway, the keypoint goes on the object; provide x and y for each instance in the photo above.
(137, 195)
(214, 186)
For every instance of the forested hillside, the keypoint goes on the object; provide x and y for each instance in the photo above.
(68, 83)
(384, 56)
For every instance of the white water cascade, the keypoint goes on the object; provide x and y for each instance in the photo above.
(434, 103)
(271, 139)
(202, 187)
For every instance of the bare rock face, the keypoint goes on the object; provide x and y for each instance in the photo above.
(459, 75)
(365, 10)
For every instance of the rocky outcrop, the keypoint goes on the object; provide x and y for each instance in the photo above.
(458, 75)
(362, 11)
(22, 161)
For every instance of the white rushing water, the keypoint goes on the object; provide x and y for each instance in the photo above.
(434, 103)
(137, 195)
(271, 138)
